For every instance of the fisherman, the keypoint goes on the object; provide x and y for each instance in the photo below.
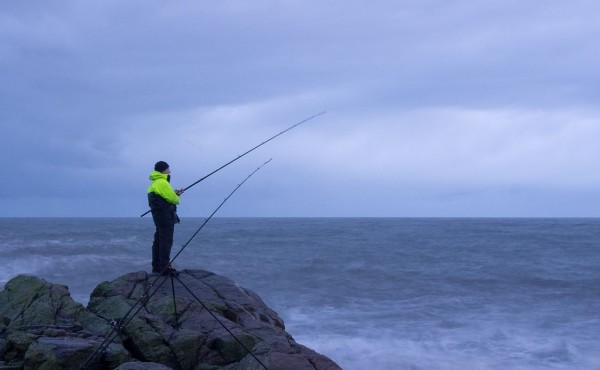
(163, 201)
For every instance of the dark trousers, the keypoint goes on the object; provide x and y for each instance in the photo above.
(161, 246)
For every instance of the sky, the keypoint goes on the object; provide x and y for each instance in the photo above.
(468, 108)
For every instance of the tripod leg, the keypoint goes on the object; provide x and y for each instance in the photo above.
(174, 303)
(221, 323)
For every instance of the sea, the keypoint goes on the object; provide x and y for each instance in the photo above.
(370, 293)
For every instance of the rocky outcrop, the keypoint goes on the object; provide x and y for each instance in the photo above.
(196, 320)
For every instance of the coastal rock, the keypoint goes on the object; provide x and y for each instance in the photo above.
(196, 320)
(41, 326)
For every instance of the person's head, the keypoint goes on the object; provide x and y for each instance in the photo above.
(162, 167)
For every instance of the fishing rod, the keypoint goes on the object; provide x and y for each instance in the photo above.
(118, 325)
(241, 155)
(216, 209)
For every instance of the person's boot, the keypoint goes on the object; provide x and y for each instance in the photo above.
(170, 270)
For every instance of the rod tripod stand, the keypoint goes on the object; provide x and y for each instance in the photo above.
(174, 276)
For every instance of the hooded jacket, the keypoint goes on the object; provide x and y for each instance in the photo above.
(160, 186)
(162, 200)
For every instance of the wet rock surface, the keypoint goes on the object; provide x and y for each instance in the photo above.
(139, 321)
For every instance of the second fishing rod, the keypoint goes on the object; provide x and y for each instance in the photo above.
(118, 325)
(247, 152)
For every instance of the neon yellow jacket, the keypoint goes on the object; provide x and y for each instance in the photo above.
(161, 186)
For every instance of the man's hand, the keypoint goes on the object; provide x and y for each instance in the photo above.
(179, 192)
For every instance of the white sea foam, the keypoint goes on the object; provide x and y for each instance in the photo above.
(391, 350)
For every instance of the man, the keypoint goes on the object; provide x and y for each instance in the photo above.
(163, 201)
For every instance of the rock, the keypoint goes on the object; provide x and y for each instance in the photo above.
(142, 366)
(196, 320)
(41, 326)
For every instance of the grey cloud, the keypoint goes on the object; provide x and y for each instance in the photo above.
(90, 89)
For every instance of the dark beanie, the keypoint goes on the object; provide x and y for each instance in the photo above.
(160, 166)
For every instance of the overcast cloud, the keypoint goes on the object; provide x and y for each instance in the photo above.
(434, 108)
